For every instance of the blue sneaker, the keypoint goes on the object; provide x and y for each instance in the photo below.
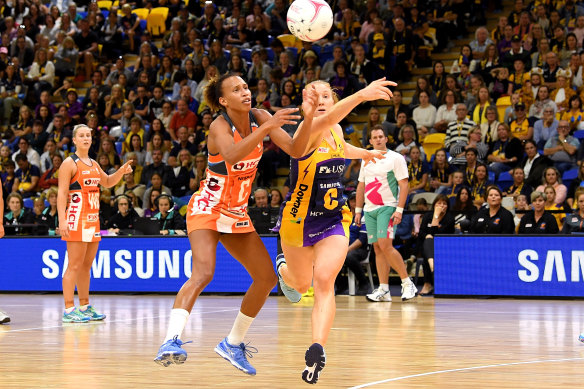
(315, 360)
(171, 352)
(237, 355)
(75, 316)
(291, 294)
(92, 314)
(581, 337)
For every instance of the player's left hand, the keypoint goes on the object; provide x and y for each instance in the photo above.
(396, 218)
(371, 156)
(127, 167)
(309, 100)
(378, 90)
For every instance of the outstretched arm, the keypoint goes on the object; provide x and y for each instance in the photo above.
(377, 90)
(221, 139)
(110, 180)
(297, 146)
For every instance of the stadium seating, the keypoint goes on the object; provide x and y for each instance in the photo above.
(433, 143)
(367, 265)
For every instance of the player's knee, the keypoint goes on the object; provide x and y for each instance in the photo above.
(202, 277)
(303, 288)
(323, 281)
(268, 280)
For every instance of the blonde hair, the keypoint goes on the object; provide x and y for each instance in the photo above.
(335, 95)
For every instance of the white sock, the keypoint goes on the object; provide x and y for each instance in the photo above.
(177, 323)
(384, 287)
(240, 327)
(406, 280)
(69, 310)
(83, 308)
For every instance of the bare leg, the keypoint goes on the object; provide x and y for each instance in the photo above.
(382, 263)
(204, 256)
(393, 257)
(76, 255)
(330, 254)
(84, 275)
(250, 251)
(298, 270)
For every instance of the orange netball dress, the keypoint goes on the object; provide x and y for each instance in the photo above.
(83, 204)
(220, 204)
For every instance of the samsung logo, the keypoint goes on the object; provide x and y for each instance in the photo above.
(564, 268)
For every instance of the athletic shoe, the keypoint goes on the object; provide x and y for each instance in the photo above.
(91, 313)
(4, 318)
(171, 352)
(379, 295)
(75, 316)
(581, 337)
(291, 294)
(409, 291)
(315, 358)
(237, 355)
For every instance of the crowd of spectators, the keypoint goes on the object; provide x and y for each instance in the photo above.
(147, 107)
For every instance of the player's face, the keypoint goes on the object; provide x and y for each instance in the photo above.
(378, 140)
(82, 138)
(325, 98)
(236, 94)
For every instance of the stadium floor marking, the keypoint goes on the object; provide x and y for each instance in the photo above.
(109, 321)
(463, 369)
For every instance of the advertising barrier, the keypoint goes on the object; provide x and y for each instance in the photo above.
(546, 266)
(122, 264)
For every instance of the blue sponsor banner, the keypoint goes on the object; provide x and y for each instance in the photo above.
(122, 264)
(550, 266)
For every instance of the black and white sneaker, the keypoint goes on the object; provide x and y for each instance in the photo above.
(315, 360)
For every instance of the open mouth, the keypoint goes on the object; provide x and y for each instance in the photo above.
(246, 101)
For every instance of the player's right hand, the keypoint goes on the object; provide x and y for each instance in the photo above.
(309, 100)
(283, 117)
(64, 228)
(378, 90)
(358, 219)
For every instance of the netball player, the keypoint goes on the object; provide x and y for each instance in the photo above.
(218, 211)
(4, 318)
(314, 221)
(78, 209)
(386, 185)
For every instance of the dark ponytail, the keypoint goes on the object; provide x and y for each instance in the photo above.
(213, 91)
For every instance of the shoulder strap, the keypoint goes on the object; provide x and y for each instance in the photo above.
(74, 157)
(228, 119)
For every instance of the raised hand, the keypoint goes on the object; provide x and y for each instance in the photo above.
(309, 101)
(378, 90)
(127, 167)
(371, 156)
(282, 117)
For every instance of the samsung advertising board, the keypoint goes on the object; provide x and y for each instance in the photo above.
(546, 266)
(122, 264)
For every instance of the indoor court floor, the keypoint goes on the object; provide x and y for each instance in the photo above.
(429, 343)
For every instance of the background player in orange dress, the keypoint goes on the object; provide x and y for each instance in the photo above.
(218, 211)
(78, 209)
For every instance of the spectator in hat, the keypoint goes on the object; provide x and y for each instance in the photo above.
(517, 52)
(74, 107)
(522, 127)
(377, 50)
(563, 93)
(309, 61)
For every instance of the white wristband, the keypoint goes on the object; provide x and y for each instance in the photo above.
(399, 209)
(358, 210)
